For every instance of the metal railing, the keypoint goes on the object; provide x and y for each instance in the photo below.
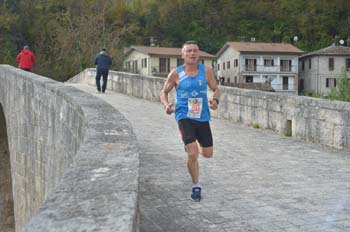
(270, 69)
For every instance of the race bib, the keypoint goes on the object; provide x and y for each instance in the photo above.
(195, 107)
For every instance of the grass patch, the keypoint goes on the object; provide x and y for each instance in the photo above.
(256, 126)
(288, 133)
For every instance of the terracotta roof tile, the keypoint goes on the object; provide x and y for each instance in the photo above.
(333, 50)
(262, 47)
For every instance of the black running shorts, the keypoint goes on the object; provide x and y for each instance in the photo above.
(192, 130)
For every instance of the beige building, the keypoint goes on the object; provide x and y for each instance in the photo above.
(253, 62)
(157, 61)
(319, 70)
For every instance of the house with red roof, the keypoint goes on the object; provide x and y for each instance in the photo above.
(157, 61)
(255, 62)
(319, 70)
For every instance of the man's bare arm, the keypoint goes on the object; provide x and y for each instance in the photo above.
(214, 87)
(169, 84)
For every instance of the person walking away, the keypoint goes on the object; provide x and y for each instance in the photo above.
(192, 108)
(103, 62)
(26, 59)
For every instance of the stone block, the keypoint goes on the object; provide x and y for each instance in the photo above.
(340, 138)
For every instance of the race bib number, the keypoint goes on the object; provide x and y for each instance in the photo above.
(195, 107)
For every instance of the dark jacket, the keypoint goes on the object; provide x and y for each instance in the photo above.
(103, 61)
(25, 59)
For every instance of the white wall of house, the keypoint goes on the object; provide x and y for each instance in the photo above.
(173, 62)
(231, 73)
(309, 74)
(138, 56)
(208, 62)
(152, 66)
(271, 73)
(315, 78)
(261, 68)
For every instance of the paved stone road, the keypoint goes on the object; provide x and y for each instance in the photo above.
(257, 181)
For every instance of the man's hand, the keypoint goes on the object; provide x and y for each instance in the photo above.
(169, 109)
(213, 104)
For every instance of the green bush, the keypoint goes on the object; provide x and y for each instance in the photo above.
(342, 90)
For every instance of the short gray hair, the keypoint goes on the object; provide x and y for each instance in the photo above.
(187, 43)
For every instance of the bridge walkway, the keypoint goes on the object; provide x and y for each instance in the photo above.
(258, 180)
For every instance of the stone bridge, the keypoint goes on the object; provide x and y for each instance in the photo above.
(70, 161)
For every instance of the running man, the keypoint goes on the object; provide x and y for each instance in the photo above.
(192, 108)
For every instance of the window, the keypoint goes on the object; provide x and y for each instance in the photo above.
(223, 66)
(331, 64)
(303, 65)
(128, 66)
(267, 79)
(309, 63)
(228, 64)
(286, 65)
(235, 79)
(218, 67)
(250, 64)
(179, 61)
(268, 62)
(331, 82)
(202, 61)
(236, 63)
(164, 65)
(144, 63)
(285, 83)
(301, 84)
(347, 64)
(134, 66)
(249, 79)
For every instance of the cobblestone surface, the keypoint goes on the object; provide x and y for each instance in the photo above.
(257, 180)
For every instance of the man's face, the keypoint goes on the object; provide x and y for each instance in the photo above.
(190, 54)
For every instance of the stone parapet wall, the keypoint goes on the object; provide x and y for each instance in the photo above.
(311, 119)
(146, 87)
(316, 120)
(74, 158)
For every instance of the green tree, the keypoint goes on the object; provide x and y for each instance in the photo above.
(342, 91)
(66, 34)
(8, 21)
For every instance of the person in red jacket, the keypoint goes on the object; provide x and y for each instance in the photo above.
(26, 59)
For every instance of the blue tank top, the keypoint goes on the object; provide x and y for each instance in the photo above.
(191, 96)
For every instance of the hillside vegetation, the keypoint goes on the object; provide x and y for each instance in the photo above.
(65, 35)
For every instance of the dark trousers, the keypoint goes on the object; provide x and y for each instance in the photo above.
(104, 74)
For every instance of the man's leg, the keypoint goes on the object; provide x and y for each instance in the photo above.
(193, 168)
(98, 78)
(105, 78)
(192, 162)
(187, 129)
(207, 152)
(205, 140)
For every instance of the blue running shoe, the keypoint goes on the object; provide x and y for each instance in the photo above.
(196, 194)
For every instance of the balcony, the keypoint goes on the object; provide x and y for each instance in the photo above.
(270, 69)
